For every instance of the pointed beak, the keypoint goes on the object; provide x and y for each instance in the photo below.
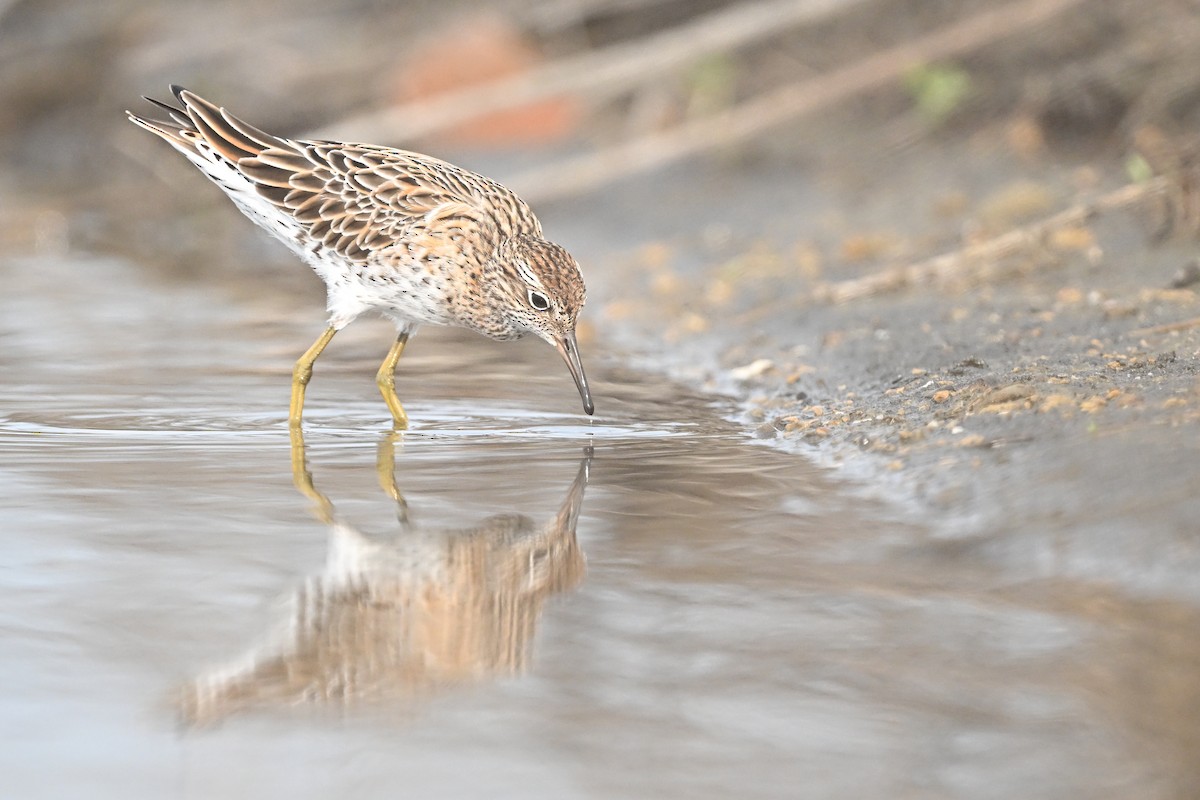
(569, 350)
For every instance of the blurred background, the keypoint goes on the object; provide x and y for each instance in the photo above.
(948, 247)
(567, 98)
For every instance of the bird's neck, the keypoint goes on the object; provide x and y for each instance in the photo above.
(482, 311)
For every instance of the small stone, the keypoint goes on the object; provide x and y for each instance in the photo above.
(1186, 276)
(752, 370)
(765, 431)
(1005, 395)
(1069, 296)
(1056, 401)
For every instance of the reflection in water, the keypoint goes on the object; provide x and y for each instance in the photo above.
(403, 617)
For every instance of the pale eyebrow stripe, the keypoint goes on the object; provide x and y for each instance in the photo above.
(525, 272)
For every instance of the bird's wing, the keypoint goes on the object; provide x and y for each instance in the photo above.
(354, 199)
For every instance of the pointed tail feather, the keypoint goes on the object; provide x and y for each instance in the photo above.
(181, 137)
(197, 120)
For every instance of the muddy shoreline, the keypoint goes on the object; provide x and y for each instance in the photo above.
(1063, 380)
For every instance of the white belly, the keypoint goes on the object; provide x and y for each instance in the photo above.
(407, 293)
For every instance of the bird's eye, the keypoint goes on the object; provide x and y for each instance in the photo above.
(538, 300)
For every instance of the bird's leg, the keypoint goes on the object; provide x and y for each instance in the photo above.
(302, 478)
(386, 378)
(302, 374)
(385, 467)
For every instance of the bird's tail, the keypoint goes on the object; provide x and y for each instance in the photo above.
(197, 125)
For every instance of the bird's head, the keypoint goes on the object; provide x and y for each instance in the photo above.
(534, 286)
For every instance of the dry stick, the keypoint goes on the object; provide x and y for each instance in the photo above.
(612, 70)
(978, 258)
(753, 117)
(560, 14)
(1170, 327)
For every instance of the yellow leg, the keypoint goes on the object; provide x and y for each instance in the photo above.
(386, 378)
(302, 374)
(385, 468)
(302, 477)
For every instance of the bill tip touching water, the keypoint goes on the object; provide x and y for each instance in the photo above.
(403, 235)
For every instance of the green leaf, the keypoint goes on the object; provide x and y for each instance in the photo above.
(1138, 168)
(937, 89)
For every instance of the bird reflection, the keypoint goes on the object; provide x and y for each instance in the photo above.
(405, 616)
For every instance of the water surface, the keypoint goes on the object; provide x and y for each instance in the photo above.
(510, 599)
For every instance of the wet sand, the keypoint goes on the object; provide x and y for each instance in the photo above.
(1057, 387)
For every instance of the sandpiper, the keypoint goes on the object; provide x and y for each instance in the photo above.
(410, 237)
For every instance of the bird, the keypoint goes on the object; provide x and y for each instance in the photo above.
(407, 236)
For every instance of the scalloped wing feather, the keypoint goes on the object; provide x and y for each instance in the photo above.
(357, 200)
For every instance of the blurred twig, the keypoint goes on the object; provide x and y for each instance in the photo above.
(980, 258)
(1170, 327)
(612, 70)
(749, 119)
(560, 14)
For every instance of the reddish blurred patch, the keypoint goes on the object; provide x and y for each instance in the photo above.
(477, 50)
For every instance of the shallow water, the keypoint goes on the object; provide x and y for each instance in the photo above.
(509, 600)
